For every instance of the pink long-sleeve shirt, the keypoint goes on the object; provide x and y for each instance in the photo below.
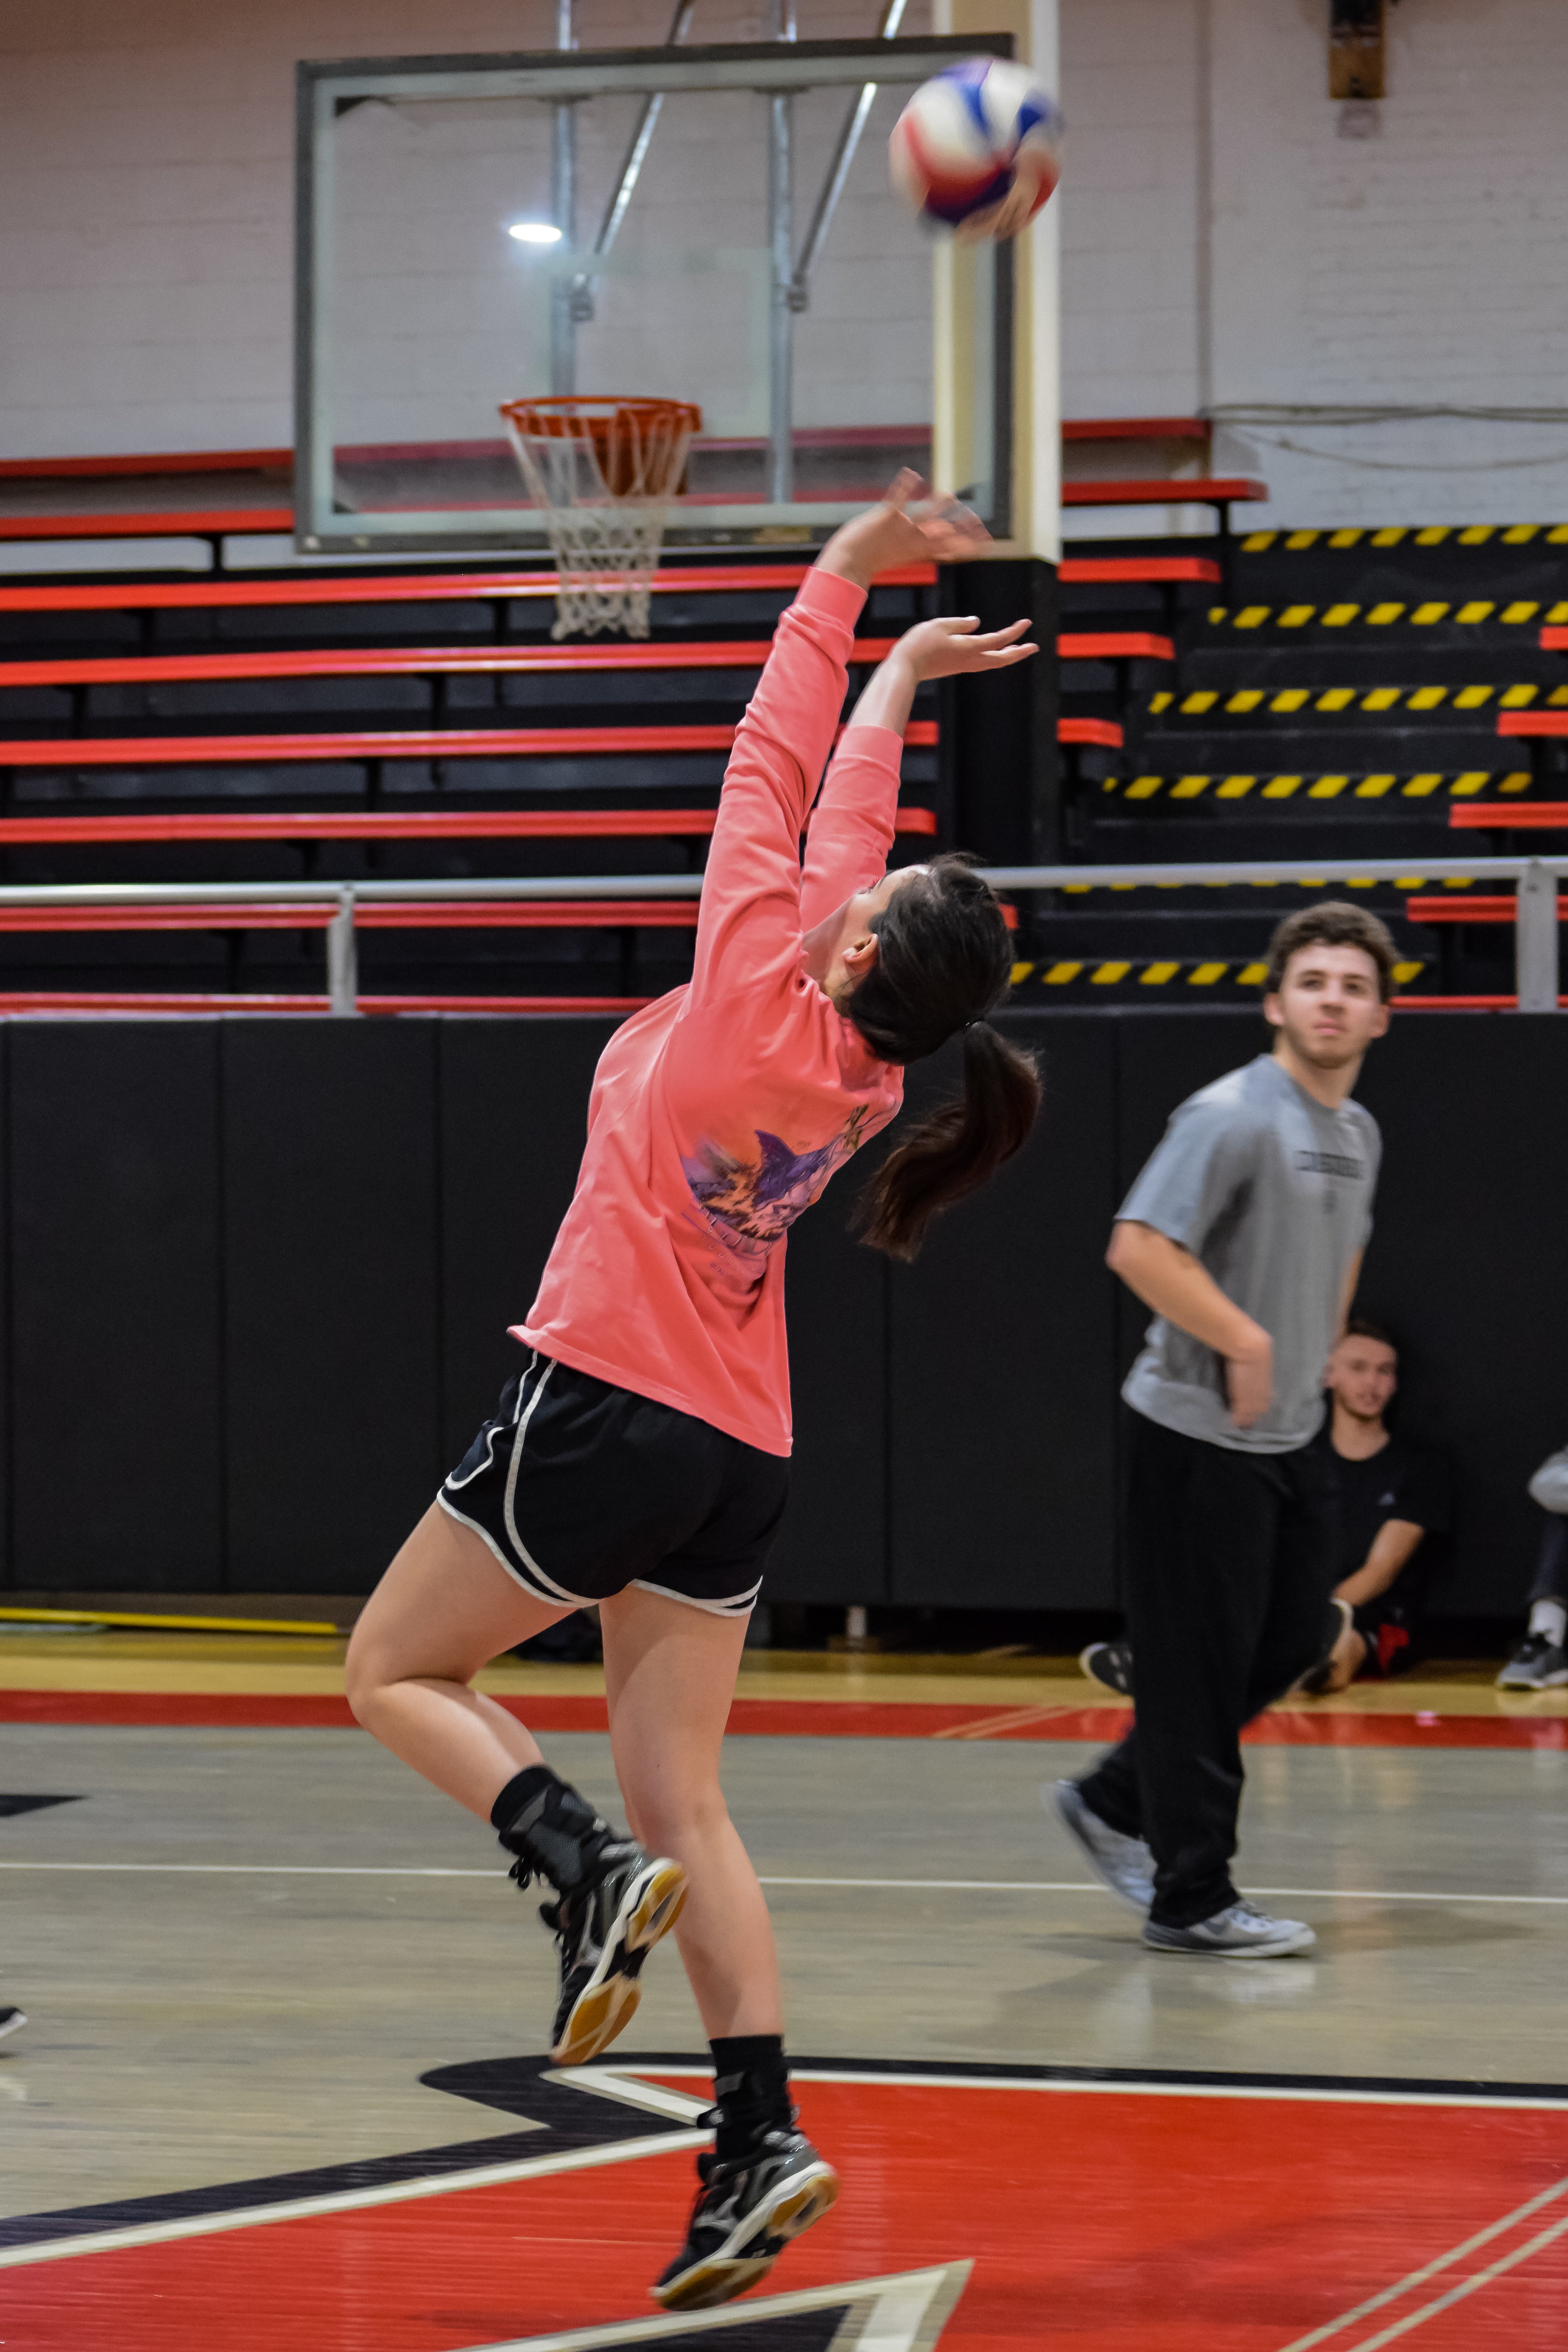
(718, 1113)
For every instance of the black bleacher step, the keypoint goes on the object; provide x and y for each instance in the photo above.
(1230, 668)
(1142, 976)
(1318, 572)
(1330, 748)
(1357, 796)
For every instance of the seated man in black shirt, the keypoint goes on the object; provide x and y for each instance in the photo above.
(1390, 1496)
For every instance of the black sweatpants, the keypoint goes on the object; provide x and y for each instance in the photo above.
(1230, 1566)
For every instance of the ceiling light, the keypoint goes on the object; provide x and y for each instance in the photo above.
(534, 232)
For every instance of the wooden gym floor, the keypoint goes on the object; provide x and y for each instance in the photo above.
(282, 2083)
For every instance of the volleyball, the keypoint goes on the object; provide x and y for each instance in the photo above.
(978, 148)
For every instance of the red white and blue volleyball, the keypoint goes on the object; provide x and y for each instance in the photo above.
(978, 148)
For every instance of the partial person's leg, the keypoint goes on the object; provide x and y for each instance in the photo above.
(444, 1608)
(670, 1673)
(1200, 1544)
(669, 1676)
(1300, 1584)
(1549, 1586)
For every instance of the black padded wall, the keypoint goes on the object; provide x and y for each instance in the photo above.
(514, 1102)
(331, 1297)
(115, 1360)
(260, 1274)
(1001, 1364)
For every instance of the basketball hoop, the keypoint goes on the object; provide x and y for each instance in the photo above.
(605, 472)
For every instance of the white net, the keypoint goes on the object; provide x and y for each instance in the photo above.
(605, 472)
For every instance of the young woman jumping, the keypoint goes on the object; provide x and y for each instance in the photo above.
(640, 1458)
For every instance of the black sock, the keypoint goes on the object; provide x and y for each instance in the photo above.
(554, 1831)
(751, 2085)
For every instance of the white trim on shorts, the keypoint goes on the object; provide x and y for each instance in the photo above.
(740, 1604)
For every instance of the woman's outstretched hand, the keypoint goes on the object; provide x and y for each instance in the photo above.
(954, 649)
(946, 648)
(912, 525)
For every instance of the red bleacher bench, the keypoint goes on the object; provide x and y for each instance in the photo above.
(377, 743)
(197, 595)
(1109, 645)
(1084, 571)
(179, 595)
(379, 661)
(150, 669)
(1554, 640)
(1468, 910)
(1524, 816)
(192, 523)
(370, 915)
(360, 824)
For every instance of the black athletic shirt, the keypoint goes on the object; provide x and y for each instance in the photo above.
(1401, 1482)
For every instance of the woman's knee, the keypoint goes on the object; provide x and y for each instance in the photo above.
(666, 1815)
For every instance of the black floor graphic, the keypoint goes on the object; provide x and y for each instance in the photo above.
(31, 1805)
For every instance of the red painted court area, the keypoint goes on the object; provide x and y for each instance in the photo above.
(1133, 2220)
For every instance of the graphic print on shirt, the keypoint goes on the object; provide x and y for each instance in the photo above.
(751, 1204)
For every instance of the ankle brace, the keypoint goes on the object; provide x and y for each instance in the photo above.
(555, 1833)
(750, 2084)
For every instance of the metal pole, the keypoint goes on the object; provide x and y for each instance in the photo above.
(1535, 941)
(837, 172)
(781, 305)
(781, 310)
(582, 288)
(342, 958)
(563, 213)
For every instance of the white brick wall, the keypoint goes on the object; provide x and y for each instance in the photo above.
(145, 218)
(1426, 265)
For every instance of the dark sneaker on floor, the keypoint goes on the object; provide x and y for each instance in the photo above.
(1239, 1932)
(746, 2213)
(1342, 1617)
(1110, 1663)
(606, 1933)
(10, 2018)
(1123, 1864)
(1537, 1664)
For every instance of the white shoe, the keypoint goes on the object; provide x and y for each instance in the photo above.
(1239, 1932)
(1123, 1864)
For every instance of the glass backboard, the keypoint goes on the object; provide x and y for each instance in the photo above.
(708, 225)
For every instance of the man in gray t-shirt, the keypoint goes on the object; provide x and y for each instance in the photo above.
(1245, 1233)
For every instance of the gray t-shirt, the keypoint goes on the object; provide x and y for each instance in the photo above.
(1273, 1194)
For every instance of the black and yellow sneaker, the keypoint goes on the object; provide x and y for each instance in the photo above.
(747, 2211)
(613, 1903)
(605, 1932)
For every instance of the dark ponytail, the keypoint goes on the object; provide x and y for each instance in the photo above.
(943, 961)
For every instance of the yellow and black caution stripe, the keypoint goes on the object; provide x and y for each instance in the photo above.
(1471, 611)
(1052, 975)
(1285, 701)
(1463, 785)
(1479, 534)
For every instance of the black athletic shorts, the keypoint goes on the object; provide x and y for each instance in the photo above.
(580, 1489)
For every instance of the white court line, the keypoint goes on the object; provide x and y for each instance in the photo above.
(1432, 2269)
(935, 1886)
(1352, 2096)
(396, 2192)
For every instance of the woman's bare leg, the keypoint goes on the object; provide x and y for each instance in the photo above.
(444, 1608)
(670, 1674)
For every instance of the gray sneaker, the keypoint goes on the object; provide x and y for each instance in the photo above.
(1123, 1864)
(1537, 1664)
(1239, 1932)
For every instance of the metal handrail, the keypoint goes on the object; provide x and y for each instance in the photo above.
(1535, 919)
